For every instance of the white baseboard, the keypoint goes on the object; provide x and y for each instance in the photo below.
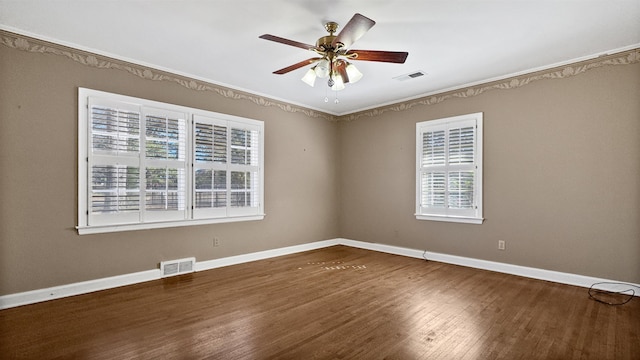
(57, 292)
(261, 255)
(529, 272)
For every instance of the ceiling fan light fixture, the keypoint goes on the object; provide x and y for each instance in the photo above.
(338, 83)
(333, 53)
(354, 74)
(323, 68)
(310, 77)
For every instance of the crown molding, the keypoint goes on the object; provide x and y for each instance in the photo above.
(513, 82)
(34, 45)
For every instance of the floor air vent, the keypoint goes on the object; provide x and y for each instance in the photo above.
(177, 267)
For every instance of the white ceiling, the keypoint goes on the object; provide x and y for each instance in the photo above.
(455, 42)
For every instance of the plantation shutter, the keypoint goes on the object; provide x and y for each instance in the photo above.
(144, 164)
(226, 168)
(448, 168)
(244, 170)
(461, 164)
(114, 187)
(211, 188)
(165, 165)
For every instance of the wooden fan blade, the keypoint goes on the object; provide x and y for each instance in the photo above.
(398, 57)
(287, 41)
(296, 66)
(355, 28)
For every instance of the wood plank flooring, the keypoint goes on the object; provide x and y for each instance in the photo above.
(332, 303)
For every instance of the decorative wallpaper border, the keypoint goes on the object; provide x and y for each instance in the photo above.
(621, 58)
(29, 44)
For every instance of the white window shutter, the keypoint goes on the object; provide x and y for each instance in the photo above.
(210, 175)
(143, 164)
(165, 165)
(449, 169)
(114, 186)
(227, 169)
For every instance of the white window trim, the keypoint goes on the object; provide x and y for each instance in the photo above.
(161, 225)
(456, 219)
(478, 190)
(83, 226)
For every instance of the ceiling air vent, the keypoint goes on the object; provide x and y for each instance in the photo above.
(177, 267)
(412, 75)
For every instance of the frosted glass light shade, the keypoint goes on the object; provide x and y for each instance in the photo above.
(338, 83)
(322, 69)
(310, 77)
(354, 74)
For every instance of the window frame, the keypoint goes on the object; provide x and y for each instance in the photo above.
(457, 215)
(162, 219)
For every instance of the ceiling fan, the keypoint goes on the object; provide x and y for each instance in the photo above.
(334, 56)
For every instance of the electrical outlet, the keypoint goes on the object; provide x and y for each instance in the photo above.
(216, 241)
(501, 244)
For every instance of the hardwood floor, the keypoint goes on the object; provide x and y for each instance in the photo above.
(332, 303)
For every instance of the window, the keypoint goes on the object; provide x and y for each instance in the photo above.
(449, 169)
(144, 164)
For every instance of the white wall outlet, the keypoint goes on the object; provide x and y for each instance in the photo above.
(216, 241)
(501, 244)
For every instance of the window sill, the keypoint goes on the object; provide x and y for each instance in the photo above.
(83, 230)
(456, 219)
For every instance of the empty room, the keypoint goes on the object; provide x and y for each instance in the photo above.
(319, 179)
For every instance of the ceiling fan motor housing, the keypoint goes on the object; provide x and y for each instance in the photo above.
(325, 43)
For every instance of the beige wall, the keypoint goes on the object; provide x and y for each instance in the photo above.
(562, 176)
(39, 247)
